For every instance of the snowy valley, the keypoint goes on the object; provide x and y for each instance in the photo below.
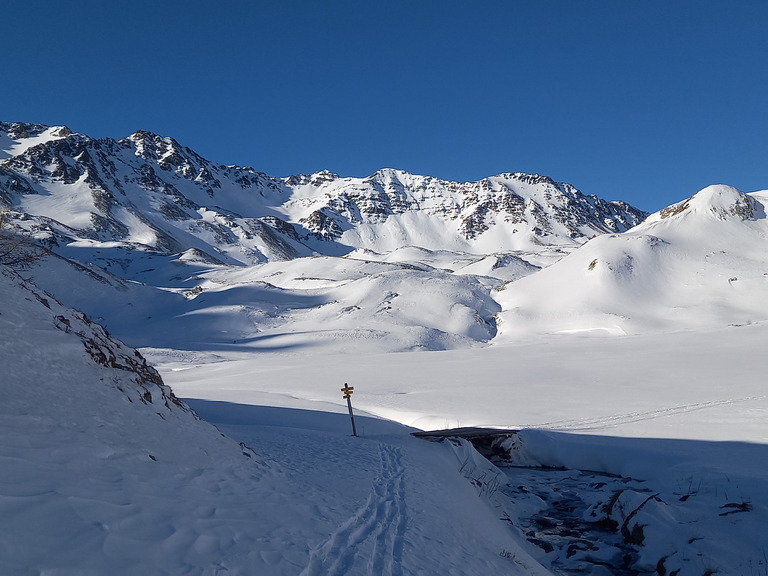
(623, 351)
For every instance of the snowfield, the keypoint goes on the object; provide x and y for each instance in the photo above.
(678, 418)
(616, 372)
(97, 477)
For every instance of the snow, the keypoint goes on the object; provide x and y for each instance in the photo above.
(10, 147)
(634, 361)
(642, 386)
(703, 266)
(682, 414)
(71, 205)
(94, 481)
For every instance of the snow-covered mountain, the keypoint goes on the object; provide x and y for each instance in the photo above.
(391, 262)
(699, 263)
(146, 209)
(151, 193)
(258, 297)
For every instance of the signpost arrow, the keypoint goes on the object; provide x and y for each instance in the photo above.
(348, 396)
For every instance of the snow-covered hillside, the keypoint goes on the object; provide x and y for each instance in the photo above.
(700, 263)
(629, 353)
(99, 460)
(103, 470)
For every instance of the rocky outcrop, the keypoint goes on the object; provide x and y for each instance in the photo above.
(138, 381)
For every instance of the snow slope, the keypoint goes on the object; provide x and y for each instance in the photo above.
(680, 417)
(103, 471)
(633, 359)
(700, 263)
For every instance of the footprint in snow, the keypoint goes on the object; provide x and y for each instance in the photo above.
(379, 524)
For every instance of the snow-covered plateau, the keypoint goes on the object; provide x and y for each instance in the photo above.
(605, 367)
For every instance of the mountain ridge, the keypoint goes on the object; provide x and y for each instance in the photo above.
(390, 262)
(150, 190)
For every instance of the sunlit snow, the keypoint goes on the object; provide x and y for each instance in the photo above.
(626, 370)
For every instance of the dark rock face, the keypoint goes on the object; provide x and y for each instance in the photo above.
(322, 225)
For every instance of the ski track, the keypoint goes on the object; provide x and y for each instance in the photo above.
(617, 419)
(380, 521)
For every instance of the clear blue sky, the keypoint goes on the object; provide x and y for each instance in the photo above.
(643, 101)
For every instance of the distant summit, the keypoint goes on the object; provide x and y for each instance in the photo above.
(718, 201)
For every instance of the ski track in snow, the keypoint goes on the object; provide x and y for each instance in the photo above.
(380, 521)
(618, 419)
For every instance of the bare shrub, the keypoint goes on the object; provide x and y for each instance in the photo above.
(18, 250)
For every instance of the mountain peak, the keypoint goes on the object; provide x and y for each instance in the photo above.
(314, 179)
(18, 137)
(149, 142)
(526, 178)
(719, 201)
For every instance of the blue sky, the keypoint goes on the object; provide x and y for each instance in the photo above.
(642, 101)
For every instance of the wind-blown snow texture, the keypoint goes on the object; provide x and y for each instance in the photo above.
(257, 298)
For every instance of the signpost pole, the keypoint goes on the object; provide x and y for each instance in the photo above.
(348, 395)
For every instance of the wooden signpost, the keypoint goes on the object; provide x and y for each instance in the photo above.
(348, 395)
